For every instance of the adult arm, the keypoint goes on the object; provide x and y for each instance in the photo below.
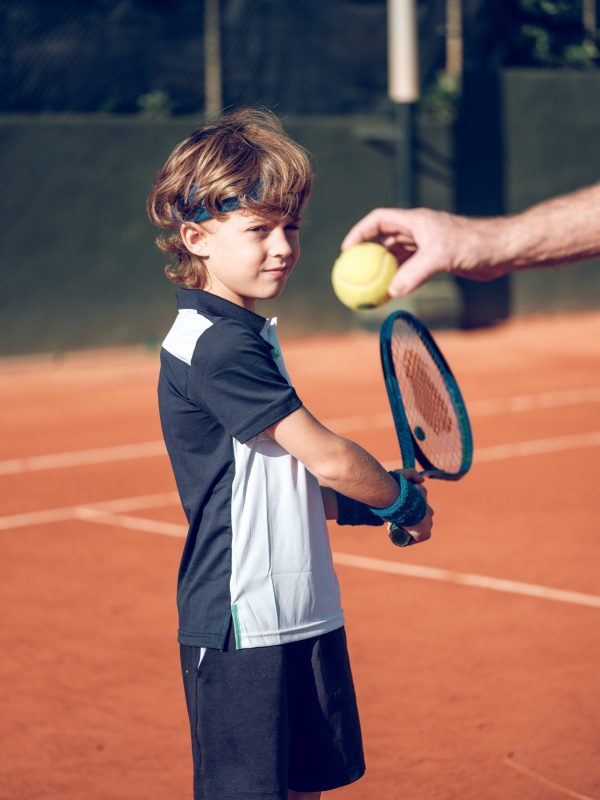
(426, 242)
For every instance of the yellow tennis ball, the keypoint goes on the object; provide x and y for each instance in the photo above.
(362, 274)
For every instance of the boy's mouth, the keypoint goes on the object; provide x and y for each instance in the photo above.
(277, 270)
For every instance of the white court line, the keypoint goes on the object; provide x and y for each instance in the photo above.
(556, 444)
(132, 523)
(558, 787)
(466, 579)
(76, 512)
(502, 452)
(137, 503)
(76, 458)
(97, 515)
(103, 513)
(146, 449)
(480, 408)
(482, 455)
(532, 402)
(104, 455)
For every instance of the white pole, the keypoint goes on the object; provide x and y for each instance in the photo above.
(403, 65)
(403, 90)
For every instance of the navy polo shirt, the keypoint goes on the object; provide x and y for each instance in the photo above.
(257, 550)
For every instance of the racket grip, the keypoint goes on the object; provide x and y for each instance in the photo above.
(401, 537)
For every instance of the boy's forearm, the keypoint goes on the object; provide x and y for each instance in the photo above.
(336, 462)
(358, 475)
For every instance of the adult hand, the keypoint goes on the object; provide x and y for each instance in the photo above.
(561, 230)
(424, 241)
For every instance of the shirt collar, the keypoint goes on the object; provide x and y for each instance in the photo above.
(215, 306)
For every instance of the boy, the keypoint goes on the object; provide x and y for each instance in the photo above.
(266, 673)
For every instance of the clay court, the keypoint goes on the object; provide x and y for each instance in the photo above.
(475, 655)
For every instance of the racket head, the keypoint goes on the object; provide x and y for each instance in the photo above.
(403, 432)
(427, 405)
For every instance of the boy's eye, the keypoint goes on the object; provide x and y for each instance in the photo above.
(292, 226)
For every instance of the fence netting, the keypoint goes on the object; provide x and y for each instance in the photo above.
(295, 56)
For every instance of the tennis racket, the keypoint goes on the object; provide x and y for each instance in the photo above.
(429, 412)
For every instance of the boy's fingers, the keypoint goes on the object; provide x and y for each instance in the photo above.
(411, 475)
(415, 477)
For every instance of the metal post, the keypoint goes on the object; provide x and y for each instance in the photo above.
(590, 22)
(404, 178)
(403, 90)
(454, 38)
(213, 97)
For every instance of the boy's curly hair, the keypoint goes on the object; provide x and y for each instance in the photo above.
(243, 156)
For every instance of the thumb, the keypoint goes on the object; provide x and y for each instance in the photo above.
(411, 274)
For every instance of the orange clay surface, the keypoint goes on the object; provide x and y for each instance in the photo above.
(485, 692)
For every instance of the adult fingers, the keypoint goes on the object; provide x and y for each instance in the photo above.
(378, 224)
(413, 272)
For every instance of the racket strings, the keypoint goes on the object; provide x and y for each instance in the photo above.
(429, 401)
(428, 404)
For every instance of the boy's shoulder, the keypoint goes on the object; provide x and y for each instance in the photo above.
(227, 339)
(198, 338)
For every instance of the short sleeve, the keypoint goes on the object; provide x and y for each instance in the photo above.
(234, 378)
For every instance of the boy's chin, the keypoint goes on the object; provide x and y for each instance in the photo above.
(272, 293)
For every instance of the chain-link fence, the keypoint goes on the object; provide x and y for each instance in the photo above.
(102, 55)
(295, 56)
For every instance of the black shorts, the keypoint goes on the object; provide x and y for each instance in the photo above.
(266, 719)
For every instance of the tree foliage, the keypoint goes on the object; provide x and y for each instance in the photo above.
(551, 33)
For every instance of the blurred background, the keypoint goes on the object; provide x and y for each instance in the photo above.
(95, 94)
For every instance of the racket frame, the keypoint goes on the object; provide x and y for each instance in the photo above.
(409, 445)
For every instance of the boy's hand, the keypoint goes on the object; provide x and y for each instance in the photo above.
(422, 530)
(410, 474)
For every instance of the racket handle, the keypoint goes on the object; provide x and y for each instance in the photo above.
(401, 537)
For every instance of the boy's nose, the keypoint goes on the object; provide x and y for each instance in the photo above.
(280, 244)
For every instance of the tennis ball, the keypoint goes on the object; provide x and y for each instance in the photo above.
(362, 274)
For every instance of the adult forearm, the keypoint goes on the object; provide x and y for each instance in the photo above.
(558, 231)
(427, 242)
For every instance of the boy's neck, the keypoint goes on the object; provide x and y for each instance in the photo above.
(249, 303)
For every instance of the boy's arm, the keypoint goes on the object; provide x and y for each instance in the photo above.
(336, 462)
(340, 465)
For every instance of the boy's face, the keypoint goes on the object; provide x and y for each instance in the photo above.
(248, 258)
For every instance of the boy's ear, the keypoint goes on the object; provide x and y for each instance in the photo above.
(194, 238)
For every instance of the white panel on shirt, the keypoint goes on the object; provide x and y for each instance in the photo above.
(283, 585)
(181, 340)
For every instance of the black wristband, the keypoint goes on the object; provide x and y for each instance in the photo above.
(353, 512)
(409, 508)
